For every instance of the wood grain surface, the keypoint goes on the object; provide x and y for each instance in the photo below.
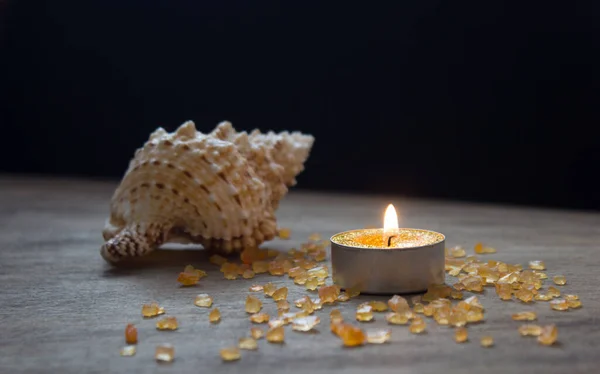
(63, 309)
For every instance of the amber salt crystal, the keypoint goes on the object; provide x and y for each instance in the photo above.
(320, 255)
(548, 335)
(473, 283)
(312, 284)
(230, 354)
(203, 300)
(474, 316)
(249, 255)
(530, 330)
(456, 295)
(335, 316)
(458, 318)
(260, 267)
(188, 279)
(474, 303)
(540, 274)
(306, 304)
(214, 316)
(152, 310)
(398, 304)
(481, 249)
(394, 318)
(164, 353)
(296, 271)
(131, 334)
(241, 268)
(442, 315)
(230, 275)
(279, 321)
(524, 295)
(351, 336)
(301, 278)
(559, 280)
(418, 308)
(280, 294)
(504, 291)
(248, 343)
(537, 265)
(284, 233)
(376, 306)
(308, 265)
(128, 351)
(364, 313)
(571, 297)
(191, 269)
(542, 297)
(378, 336)
(276, 268)
(524, 316)
(428, 310)
(487, 341)
(253, 304)
(275, 335)
(318, 272)
(259, 318)
(305, 323)
(457, 252)
(248, 274)
(256, 333)
(417, 326)
(329, 294)
(269, 289)
(559, 304)
(553, 292)
(167, 323)
(283, 305)
(229, 267)
(336, 327)
(461, 335)
(317, 304)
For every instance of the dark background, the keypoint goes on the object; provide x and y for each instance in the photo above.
(486, 101)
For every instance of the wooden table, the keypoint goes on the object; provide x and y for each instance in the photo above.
(63, 310)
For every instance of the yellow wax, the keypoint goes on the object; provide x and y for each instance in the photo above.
(376, 238)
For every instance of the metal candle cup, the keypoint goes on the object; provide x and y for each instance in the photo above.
(389, 260)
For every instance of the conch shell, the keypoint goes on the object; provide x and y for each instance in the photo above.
(220, 190)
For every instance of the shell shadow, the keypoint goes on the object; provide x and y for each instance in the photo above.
(171, 259)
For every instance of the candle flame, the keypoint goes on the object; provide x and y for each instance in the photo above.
(390, 219)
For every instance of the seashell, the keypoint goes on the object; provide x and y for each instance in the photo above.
(220, 190)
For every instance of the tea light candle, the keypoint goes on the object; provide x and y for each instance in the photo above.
(388, 260)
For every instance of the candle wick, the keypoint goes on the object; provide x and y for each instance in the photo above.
(390, 240)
